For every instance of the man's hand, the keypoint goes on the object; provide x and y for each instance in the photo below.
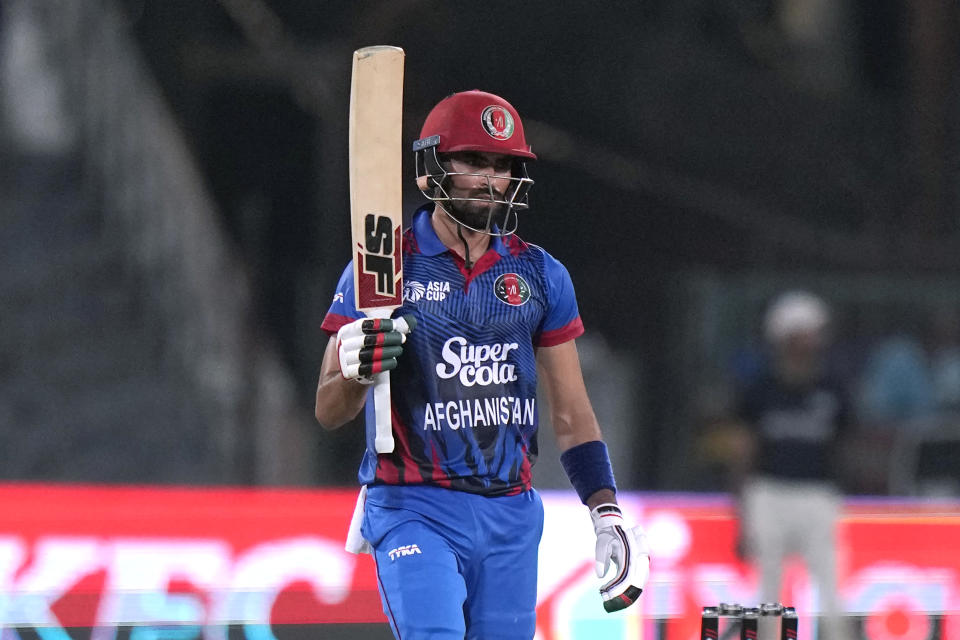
(627, 548)
(370, 345)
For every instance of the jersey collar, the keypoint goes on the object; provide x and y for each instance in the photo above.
(429, 244)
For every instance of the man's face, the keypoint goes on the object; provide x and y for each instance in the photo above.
(494, 172)
(800, 356)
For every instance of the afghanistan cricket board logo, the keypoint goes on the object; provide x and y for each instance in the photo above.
(497, 122)
(511, 289)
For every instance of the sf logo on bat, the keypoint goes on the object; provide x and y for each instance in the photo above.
(378, 254)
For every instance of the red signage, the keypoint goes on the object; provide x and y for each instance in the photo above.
(100, 557)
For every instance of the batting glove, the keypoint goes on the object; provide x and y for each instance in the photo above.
(370, 345)
(627, 548)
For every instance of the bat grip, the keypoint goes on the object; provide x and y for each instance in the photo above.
(383, 442)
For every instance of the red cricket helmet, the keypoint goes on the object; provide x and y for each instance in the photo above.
(480, 122)
(475, 121)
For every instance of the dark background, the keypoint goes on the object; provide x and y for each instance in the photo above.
(702, 137)
(695, 158)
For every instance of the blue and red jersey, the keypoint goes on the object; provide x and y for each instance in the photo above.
(464, 396)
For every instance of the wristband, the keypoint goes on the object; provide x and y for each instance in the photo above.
(588, 467)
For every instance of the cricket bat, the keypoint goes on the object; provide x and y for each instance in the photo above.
(376, 146)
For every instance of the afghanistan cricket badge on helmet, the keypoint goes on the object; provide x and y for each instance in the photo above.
(497, 122)
(480, 122)
(512, 289)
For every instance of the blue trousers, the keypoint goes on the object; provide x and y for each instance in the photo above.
(454, 565)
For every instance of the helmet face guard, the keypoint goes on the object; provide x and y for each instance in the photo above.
(434, 180)
(479, 122)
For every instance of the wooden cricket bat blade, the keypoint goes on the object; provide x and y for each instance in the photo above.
(376, 147)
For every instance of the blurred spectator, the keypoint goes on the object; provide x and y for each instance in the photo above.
(914, 373)
(910, 382)
(909, 401)
(796, 413)
(896, 385)
(894, 392)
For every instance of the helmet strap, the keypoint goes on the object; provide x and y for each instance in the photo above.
(466, 247)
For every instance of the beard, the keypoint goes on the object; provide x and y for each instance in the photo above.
(479, 215)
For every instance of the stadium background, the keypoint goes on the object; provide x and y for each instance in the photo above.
(174, 197)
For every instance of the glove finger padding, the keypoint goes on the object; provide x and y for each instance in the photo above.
(368, 355)
(626, 548)
(369, 346)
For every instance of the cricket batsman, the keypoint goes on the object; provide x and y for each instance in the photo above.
(450, 516)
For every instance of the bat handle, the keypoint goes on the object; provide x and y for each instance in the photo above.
(383, 442)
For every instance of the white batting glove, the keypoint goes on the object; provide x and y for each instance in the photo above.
(627, 548)
(370, 345)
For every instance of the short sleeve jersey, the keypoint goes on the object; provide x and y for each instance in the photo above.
(464, 396)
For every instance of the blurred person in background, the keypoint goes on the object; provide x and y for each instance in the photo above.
(896, 384)
(796, 414)
(909, 390)
(908, 402)
(894, 394)
(914, 373)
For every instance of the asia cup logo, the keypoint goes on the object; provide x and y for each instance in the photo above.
(497, 122)
(413, 291)
(511, 289)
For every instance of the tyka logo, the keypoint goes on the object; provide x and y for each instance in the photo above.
(511, 289)
(405, 550)
(378, 258)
